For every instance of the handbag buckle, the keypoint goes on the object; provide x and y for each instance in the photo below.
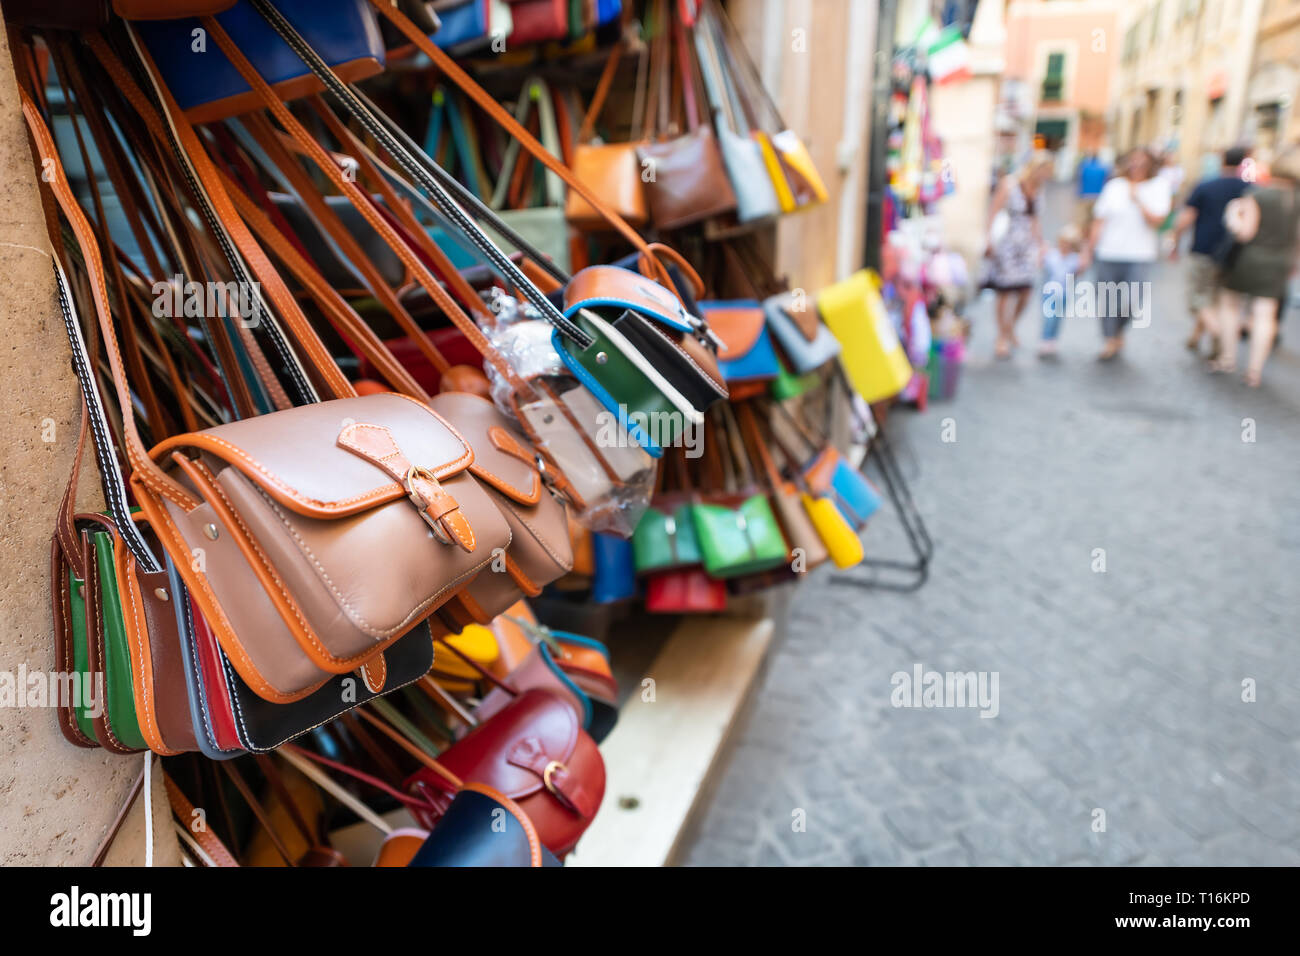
(422, 502)
(548, 774)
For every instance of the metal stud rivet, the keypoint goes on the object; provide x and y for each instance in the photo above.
(601, 358)
(160, 593)
(211, 531)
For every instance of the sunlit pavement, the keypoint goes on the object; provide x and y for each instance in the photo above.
(1146, 714)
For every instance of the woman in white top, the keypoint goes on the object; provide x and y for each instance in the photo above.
(1124, 243)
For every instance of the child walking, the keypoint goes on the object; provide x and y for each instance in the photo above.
(1059, 262)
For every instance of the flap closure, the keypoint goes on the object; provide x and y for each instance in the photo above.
(737, 324)
(603, 287)
(502, 459)
(297, 457)
(512, 751)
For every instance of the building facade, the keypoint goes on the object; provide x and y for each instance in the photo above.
(1184, 77)
(1271, 118)
(1061, 59)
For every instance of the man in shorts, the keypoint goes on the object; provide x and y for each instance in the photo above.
(1204, 211)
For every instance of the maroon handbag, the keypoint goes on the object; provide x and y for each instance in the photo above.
(534, 751)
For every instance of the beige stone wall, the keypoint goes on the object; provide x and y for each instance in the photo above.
(813, 52)
(963, 111)
(56, 800)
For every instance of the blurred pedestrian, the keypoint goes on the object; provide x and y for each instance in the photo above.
(1171, 171)
(1203, 213)
(1093, 172)
(1015, 244)
(1265, 223)
(1060, 262)
(1124, 241)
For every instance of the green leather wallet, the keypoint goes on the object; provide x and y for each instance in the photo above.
(738, 535)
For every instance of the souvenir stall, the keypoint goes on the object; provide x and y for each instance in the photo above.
(416, 394)
(926, 283)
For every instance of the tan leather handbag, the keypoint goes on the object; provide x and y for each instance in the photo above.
(686, 181)
(540, 549)
(314, 537)
(611, 170)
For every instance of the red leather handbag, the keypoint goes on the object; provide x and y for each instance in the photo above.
(534, 751)
(690, 591)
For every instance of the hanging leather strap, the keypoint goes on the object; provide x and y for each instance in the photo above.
(689, 69)
(650, 265)
(153, 477)
(448, 207)
(749, 425)
(442, 267)
(361, 202)
(454, 781)
(207, 841)
(737, 53)
(536, 261)
(411, 802)
(224, 222)
(259, 812)
(135, 362)
(603, 85)
(335, 308)
(94, 420)
(328, 221)
(107, 843)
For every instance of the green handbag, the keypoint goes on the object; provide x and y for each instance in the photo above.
(737, 531)
(604, 358)
(789, 385)
(665, 537)
(738, 535)
(118, 683)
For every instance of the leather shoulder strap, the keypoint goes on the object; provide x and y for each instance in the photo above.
(494, 109)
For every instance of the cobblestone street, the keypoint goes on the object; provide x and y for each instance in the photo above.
(1119, 691)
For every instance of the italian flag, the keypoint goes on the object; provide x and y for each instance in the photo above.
(949, 57)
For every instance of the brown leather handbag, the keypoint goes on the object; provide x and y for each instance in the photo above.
(611, 170)
(311, 538)
(687, 182)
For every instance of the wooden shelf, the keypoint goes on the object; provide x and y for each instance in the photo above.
(661, 758)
